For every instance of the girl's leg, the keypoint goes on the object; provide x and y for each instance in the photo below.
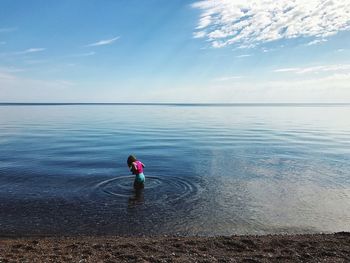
(138, 185)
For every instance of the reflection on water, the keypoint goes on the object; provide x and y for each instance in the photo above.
(137, 198)
(209, 170)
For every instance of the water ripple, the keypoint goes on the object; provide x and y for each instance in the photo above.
(163, 190)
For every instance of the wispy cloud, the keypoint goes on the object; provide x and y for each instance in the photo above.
(2, 42)
(244, 56)
(316, 41)
(316, 69)
(267, 50)
(248, 23)
(87, 54)
(30, 50)
(7, 29)
(103, 42)
(226, 78)
(286, 70)
(199, 34)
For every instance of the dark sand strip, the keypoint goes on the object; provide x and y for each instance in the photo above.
(274, 248)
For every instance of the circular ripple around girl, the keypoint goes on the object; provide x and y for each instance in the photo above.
(163, 189)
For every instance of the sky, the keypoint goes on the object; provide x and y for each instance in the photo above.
(211, 51)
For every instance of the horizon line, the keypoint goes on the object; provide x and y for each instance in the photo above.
(176, 103)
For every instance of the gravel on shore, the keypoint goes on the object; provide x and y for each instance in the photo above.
(269, 248)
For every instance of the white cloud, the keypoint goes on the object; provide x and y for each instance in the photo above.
(244, 56)
(316, 41)
(204, 21)
(23, 52)
(199, 34)
(87, 54)
(228, 78)
(316, 69)
(248, 23)
(103, 42)
(267, 50)
(287, 70)
(2, 43)
(30, 50)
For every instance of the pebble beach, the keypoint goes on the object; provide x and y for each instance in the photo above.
(269, 248)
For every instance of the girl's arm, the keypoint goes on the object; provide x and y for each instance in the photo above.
(134, 167)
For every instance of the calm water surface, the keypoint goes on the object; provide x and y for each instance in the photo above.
(210, 170)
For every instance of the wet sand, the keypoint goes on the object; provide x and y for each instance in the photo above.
(270, 248)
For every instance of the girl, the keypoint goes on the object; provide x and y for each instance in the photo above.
(136, 167)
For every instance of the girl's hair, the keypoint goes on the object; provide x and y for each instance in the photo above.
(131, 159)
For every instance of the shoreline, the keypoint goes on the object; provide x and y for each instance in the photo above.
(267, 248)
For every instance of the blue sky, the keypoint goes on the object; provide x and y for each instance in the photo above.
(174, 51)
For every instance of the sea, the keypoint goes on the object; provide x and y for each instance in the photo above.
(211, 169)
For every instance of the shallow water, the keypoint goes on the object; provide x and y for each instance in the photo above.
(210, 170)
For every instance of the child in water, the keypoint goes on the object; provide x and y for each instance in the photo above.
(136, 167)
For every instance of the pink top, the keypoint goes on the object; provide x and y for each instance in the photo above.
(138, 167)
